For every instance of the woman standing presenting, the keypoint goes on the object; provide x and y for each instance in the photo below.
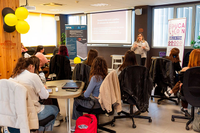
(140, 46)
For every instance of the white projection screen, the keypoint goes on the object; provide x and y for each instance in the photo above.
(109, 27)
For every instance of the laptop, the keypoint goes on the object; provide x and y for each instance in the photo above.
(72, 85)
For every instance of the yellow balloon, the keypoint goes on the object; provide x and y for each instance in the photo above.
(21, 13)
(10, 19)
(22, 27)
(77, 60)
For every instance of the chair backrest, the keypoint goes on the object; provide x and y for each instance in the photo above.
(136, 86)
(81, 72)
(60, 65)
(191, 86)
(162, 70)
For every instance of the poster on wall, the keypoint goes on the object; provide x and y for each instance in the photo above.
(76, 41)
(176, 36)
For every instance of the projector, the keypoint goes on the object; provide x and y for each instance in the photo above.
(29, 8)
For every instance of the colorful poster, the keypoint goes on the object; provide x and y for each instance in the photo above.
(176, 36)
(76, 41)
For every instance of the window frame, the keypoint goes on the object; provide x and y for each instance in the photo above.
(175, 16)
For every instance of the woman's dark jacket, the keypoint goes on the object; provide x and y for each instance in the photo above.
(162, 71)
(136, 86)
(60, 65)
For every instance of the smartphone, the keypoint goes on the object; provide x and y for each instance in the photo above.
(50, 91)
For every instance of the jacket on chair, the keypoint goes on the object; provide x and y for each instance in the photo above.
(136, 86)
(162, 71)
(16, 107)
(81, 72)
(60, 65)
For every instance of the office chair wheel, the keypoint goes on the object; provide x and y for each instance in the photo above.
(150, 120)
(133, 126)
(172, 119)
(112, 124)
(113, 120)
(177, 103)
(187, 128)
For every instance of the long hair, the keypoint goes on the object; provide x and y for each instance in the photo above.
(63, 50)
(38, 49)
(129, 60)
(21, 65)
(99, 68)
(92, 54)
(174, 55)
(36, 63)
(194, 59)
(142, 37)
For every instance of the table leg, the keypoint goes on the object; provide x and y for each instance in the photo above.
(66, 108)
(69, 118)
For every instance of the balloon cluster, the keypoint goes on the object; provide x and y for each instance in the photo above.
(15, 20)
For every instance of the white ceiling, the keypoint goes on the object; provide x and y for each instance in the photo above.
(84, 6)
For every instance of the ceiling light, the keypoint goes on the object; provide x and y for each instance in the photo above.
(52, 4)
(55, 10)
(99, 4)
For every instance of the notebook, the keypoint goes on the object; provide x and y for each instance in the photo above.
(72, 85)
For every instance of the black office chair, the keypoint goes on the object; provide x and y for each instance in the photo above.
(162, 73)
(191, 91)
(44, 122)
(81, 72)
(136, 87)
(60, 65)
(97, 112)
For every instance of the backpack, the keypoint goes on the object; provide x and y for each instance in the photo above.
(196, 122)
(86, 124)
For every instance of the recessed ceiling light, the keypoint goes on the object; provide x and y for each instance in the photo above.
(99, 4)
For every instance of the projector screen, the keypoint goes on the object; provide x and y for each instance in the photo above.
(110, 27)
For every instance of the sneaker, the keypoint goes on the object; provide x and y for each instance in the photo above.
(59, 117)
(56, 123)
(73, 128)
(185, 112)
(167, 94)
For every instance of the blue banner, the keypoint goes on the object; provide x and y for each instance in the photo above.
(76, 41)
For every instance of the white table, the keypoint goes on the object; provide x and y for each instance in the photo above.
(63, 94)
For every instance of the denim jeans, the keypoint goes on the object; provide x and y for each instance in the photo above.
(47, 111)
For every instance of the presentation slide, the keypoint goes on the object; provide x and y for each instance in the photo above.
(110, 27)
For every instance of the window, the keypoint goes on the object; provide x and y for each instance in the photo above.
(197, 27)
(186, 12)
(42, 30)
(133, 27)
(77, 20)
(160, 28)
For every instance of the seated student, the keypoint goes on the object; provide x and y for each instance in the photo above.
(49, 101)
(39, 53)
(129, 60)
(24, 51)
(92, 54)
(63, 51)
(24, 74)
(98, 72)
(194, 61)
(174, 57)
